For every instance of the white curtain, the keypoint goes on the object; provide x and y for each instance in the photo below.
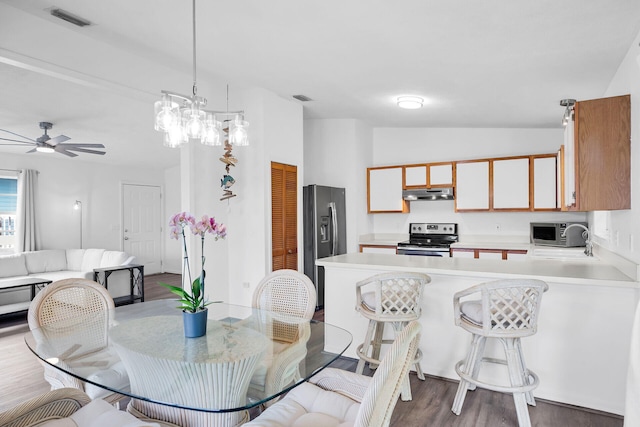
(27, 231)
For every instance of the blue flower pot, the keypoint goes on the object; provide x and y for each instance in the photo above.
(195, 324)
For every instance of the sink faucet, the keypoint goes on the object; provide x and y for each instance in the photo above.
(588, 250)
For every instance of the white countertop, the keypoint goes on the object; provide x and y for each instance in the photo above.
(567, 271)
(510, 246)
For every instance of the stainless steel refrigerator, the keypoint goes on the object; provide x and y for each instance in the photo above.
(325, 231)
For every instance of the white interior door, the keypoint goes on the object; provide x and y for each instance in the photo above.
(142, 230)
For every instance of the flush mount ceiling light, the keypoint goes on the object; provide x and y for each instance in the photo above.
(410, 102)
(568, 104)
(183, 117)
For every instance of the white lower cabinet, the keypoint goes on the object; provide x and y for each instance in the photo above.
(375, 249)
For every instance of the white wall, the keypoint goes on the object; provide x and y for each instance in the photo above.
(393, 146)
(62, 181)
(623, 227)
(336, 154)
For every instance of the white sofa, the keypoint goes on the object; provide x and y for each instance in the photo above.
(58, 264)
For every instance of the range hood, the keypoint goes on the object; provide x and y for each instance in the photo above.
(428, 194)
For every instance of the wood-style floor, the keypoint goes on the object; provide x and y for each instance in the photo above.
(21, 378)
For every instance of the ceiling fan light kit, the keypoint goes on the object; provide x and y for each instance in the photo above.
(183, 117)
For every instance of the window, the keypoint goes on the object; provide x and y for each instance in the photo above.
(8, 203)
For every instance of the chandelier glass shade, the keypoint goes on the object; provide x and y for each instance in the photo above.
(183, 117)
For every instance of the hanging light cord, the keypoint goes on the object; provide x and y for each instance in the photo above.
(195, 89)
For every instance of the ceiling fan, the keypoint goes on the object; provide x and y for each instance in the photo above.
(46, 144)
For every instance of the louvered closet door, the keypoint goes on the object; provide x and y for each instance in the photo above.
(284, 219)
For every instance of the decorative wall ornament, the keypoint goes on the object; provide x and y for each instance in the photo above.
(229, 160)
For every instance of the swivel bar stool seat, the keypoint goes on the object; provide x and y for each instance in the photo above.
(392, 298)
(507, 310)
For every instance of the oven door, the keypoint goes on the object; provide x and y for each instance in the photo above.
(422, 251)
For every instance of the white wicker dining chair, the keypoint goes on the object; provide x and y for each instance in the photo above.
(70, 406)
(292, 295)
(340, 398)
(506, 310)
(389, 298)
(69, 302)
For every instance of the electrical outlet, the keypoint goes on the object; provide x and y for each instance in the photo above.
(497, 228)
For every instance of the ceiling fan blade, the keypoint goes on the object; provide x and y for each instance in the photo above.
(73, 144)
(4, 144)
(17, 134)
(15, 140)
(58, 139)
(32, 151)
(65, 152)
(84, 150)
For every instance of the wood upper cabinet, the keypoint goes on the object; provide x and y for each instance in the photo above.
(472, 186)
(384, 190)
(597, 159)
(430, 175)
(511, 184)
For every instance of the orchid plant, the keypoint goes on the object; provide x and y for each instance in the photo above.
(194, 300)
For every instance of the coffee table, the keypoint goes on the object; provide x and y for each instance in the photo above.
(23, 282)
(194, 381)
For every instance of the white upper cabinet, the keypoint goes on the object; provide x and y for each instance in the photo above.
(441, 175)
(385, 190)
(511, 183)
(415, 176)
(429, 175)
(544, 183)
(472, 185)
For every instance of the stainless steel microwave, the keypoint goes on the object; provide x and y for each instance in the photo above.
(550, 234)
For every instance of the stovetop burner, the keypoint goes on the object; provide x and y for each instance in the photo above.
(431, 235)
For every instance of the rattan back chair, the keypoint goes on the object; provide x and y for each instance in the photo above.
(62, 305)
(337, 397)
(290, 299)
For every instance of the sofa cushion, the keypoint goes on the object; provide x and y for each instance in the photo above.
(54, 276)
(13, 265)
(46, 260)
(113, 258)
(92, 259)
(74, 259)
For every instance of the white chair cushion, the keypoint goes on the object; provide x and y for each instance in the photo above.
(309, 406)
(92, 259)
(98, 413)
(115, 376)
(472, 311)
(369, 300)
(46, 260)
(13, 265)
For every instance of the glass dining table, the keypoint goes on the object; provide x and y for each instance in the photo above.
(247, 358)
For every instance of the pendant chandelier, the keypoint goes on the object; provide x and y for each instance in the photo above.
(183, 117)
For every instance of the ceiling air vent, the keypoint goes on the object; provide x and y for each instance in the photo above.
(69, 17)
(302, 98)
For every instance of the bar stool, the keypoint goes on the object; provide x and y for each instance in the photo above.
(389, 298)
(507, 310)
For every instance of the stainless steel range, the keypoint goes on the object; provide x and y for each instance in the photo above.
(429, 239)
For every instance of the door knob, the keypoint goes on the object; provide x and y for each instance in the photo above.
(126, 238)
(290, 251)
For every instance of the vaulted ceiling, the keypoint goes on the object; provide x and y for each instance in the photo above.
(491, 63)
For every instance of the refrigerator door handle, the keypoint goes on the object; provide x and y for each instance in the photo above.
(334, 225)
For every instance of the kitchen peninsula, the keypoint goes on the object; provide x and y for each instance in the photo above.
(581, 350)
